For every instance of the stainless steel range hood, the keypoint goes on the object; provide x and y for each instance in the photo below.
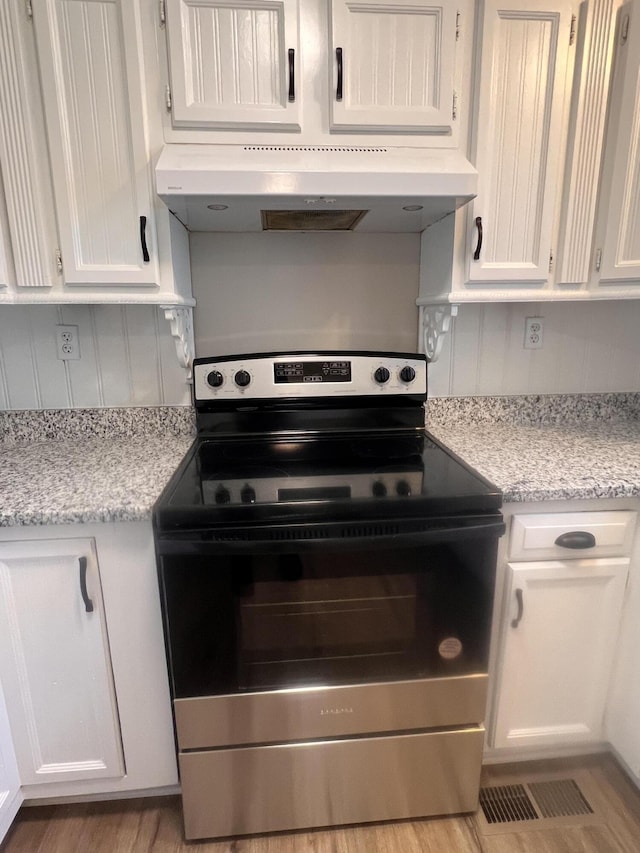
(312, 188)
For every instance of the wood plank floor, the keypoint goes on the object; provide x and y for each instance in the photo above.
(155, 825)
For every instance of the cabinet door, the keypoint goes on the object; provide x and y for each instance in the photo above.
(621, 250)
(28, 257)
(518, 138)
(234, 63)
(54, 662)
(89, 58)
(393, 65)
(561, 625)
(10, 794)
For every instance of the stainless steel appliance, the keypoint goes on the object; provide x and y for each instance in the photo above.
(327, 573)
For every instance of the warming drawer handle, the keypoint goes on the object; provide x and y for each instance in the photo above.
(576, 540)
(292, 74)
(88, 604)
(520, 602)
(143, 239)
(339, 85)
(476, 254)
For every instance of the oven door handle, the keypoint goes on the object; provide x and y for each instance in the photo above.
(191, 544)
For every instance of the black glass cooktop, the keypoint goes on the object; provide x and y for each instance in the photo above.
(287, 479)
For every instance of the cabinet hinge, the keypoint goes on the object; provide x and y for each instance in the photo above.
(572, 30)
(598, 263)
(454, 106)
(624, 30)
(162, 12)
(550, 261)
(28, 7)
(458, 18)
(167, 97)
(59, 261)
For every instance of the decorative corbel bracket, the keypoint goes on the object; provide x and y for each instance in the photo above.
(181, 323)
(435, 322)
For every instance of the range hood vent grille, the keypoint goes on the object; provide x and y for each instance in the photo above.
(311, 220)
(316, 148)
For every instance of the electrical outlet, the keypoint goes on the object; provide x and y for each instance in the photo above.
(67, 343)
(533, 331)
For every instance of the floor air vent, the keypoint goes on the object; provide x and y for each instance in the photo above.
(506, 804)
(538, 804)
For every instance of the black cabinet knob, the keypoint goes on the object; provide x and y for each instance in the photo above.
(215, 379)
(381, 375)
(242, 378)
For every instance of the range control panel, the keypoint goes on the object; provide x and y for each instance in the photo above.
(284, 375)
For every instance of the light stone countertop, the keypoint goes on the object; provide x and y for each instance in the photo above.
(109, 465)
(539, 463)
(70, 466)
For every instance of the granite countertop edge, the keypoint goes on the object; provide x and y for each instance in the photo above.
(89, 473)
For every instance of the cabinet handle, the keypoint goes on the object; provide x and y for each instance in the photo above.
(476, 254)
(143, 239)
(576, 539)
(515, 622)
(292, 74)
(88, 604)
(339, 85)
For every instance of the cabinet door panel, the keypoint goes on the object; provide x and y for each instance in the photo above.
(92, 89)
(525, 50)
(54, 663)
(556, 658)
(230, 63)
(398, 63)
(29, 227)
(10, 794)
(621, 251)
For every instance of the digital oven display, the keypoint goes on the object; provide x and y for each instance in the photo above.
(291, 372)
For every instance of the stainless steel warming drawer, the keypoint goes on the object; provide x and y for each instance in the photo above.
(321, 712)
(310, 784)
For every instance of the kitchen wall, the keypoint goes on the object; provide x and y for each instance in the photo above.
(271, 291)
(128, 358)
(334, 290)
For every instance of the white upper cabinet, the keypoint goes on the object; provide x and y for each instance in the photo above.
(519, 139)
(306, 71)
(28, 238)
(620, 261)
(234, 63)
(92, 87)
(55, 664)
(393, 65)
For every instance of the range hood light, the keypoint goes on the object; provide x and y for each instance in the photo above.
(412, 207)
(218, 206)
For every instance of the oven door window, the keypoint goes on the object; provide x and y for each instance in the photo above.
(240, 623)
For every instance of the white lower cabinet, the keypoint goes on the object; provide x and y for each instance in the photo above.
(559, 634)
(55, 663)
(10, 793)
(82, 662)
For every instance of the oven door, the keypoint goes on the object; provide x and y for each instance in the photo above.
(287, 640)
